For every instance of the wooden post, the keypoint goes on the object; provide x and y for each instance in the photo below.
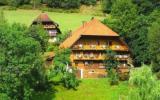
(81, 73)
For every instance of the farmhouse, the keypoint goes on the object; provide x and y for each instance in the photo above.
(89, 43)
(49, 25)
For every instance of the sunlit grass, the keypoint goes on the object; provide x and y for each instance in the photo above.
(66, 21)
(89, 89)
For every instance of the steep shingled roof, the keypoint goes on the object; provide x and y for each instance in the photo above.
(93, 28)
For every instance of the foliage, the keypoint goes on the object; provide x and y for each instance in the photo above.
(3, 2)
(61, 68)
(67, 4)
(113, 77)
(107, 5)
(69, 80)
(138, 41)
(146, 6)
(39, 34)
(17, 3)
(158, 75)
(35, 3)
(110, 62)
(21, 64)
(111, 65)
(88, 2)
(62, 37)
(145, 84)
(133, 27)
(153, 36)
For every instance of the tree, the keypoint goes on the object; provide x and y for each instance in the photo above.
(110, 62)
(3, 2)
(39, 34)
(67, 4)
(107, 5)
(22, 71)
(36, 3)
(146, 6)
(132, 27)
(88, 2)
(111, 66)
(153, 36)
(17, 3)
(61, 68)
(145, 86)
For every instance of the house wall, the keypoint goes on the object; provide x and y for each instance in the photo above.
(88, 54)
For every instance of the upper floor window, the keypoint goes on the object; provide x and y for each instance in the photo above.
(109, 43)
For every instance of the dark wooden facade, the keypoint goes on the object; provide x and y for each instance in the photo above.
(88, 45)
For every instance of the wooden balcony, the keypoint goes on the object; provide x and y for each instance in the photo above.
(98, 57)
(49, 26)
(99, 47)
(88, 57)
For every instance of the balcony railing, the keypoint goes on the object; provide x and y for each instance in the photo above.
(98, 57)
(49, 26)
(99, 47)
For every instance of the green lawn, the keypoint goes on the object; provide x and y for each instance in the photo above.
(89, 89)
(67, 21)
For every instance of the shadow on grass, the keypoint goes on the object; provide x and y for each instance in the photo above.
(47, 94)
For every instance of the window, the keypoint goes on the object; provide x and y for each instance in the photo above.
(109, 43)
(98, 42)
(76, 63)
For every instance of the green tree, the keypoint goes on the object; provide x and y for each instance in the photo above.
(22, 72)
(146, 6)
(3, 2)
(110, 62)
(145, 86)
(67, 4)
(107, 5)
(154, 40)
(133, 27)
(111, 67)
(17, 3)
(61, 68)
(39, 34)
(88, 2)
(35, 3)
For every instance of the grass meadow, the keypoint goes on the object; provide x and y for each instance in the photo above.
(66, 21)
(89, 89)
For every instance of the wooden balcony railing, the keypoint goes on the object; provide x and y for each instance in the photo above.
(98, 57)
(49, 26)
(99, 47)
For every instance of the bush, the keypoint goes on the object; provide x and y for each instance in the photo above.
(124, 76)
(67, 4)
(3, 2)
(69, 80)
(113, 77)
(88, 2)
(158, 75)
(26, 7)
(145, 86)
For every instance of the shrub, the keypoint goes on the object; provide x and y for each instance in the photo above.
(67, 4)
(3, 2)
(88, 2)
(158, 75)
(113, 77)
(123, 76)
(69, 80)
(145, 85)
